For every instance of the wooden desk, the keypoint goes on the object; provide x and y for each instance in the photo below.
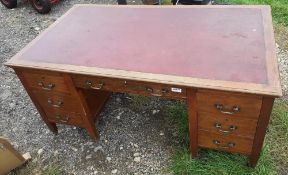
(221, 59)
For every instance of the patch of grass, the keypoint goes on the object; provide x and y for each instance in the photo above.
(279, 7)
(138, 101)
(277, 135)
(53, 170)
(209, 161)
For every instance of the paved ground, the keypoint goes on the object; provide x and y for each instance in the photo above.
(128, 133)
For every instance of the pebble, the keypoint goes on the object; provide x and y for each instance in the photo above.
(136, 154)
(114, 171)
(161, 133)
(155, 111)
(98, 148)
(40, 151)
(74, 149)
(108, 159)
(89, 156)
(137, 159)
(37, 28)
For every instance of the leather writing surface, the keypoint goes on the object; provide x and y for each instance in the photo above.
(210, 43)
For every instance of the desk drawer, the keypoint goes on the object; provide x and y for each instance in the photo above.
(153, 89)
(225, 143)
(128, 86)
(229, 104)
(46, 81)
(58, 102)
(227, 125)
(69, 118)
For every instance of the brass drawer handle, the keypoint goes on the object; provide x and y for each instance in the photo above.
(63, 119)
(227, 146)
(97, 87)
(151, 91)
(220, 108)
(49, 87)
(220, 129)
(57, 105)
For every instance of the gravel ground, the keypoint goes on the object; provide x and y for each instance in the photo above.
(133, 140)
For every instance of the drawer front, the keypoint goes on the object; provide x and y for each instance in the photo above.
(58, 102)
(225, 143)
(46, 81)
(229, 104)
(153, 89)
(69, 118)
(227, 125)
(127, 86)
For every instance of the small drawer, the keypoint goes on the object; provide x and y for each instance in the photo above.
(227, 125)
(46, 81)
(97, 83)
(229, 104)
(58, 102)
(225, 143)
(69, 118)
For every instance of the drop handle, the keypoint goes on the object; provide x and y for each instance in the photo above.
(63, 119)
(49, 87)
(151, 91)
(220, 107)
(56, 105)
(229, 145)
(97, 86)
(231, 129)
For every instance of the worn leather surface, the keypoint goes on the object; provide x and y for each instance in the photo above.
(210, 43)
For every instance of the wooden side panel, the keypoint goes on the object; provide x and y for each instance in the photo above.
(193, 121)
(264, 117)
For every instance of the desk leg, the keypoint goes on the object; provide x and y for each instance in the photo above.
(266, 109)
(193, 121)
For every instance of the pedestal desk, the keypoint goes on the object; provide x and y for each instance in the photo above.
(220, 59)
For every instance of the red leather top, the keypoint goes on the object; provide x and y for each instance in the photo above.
(210, 43)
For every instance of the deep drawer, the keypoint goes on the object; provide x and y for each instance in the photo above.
(229, 104)
(227, 125)
(225, 143)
